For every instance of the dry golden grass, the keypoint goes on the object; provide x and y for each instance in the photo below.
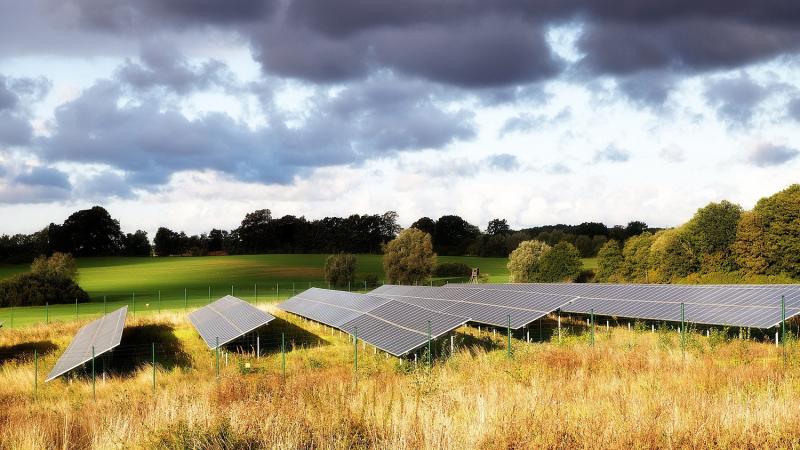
(631, 390)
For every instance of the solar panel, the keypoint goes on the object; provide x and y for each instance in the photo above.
(393, 326)
(102, 334)
(227, 319)
(483, 306)
(756, 306)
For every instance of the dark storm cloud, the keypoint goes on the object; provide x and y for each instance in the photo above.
(149, 141)
(735, 99)
(162, 65)
(769, 155)
(649, 87)
(43, 176)
(612, 154)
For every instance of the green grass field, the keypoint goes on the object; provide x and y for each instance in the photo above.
(149, 285)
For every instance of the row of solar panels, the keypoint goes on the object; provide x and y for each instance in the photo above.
(393, 326)
(218, 324)
(756, 306)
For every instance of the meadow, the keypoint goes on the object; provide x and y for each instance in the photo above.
(633, 388)
(152, 285)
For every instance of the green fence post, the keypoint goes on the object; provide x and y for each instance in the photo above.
(11, 325)
(105, 308)
(293, 291)
(35, 372)
(591, 315)
(76, 309)
(154, 370)
(430, 349)
(216, 350)
(94, 392)
(185, 299)
(231, 290)
(783, 328)
(276, 291)
(159, 301)
(355, 352)
(283, 355)
(683, 329)
(255, 291)
(133, 299)
(209, 294)
(508, 334)
(46, 313)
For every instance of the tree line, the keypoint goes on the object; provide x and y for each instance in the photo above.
(720, 243)
(93, 232)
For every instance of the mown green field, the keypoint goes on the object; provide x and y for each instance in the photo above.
(149, 285)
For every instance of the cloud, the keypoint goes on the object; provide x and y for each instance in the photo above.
(16, 97)
(672, 154)
(735, 99)
(39, 184)
(149, 141)
(558, 169)
(104, 185)
(503, 161)
(162, 65)
(526, 122)
(611, 154)
(769, 155)
(794, 109)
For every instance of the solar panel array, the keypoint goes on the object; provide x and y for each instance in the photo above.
(102, 334)
(756, 306)
(481, 305)
(390, 325)
(227, 319)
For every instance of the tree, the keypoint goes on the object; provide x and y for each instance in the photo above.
(216, 240)
(51, 280)
(340, 269)
(409, 258)
(136, 244)
(168, 242)
(88, 232)
(750, 247)
(637, 254)
(388, 226)
(523, 263)
(254, 231)
(561, 263)
(610, 262)
(635, 228)
(711, 233)
(671, 256)
(780, 216)
(497, 226)
(584, 245)
(425, 224)
(454, 235)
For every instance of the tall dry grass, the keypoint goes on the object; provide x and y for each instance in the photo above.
(633, 389)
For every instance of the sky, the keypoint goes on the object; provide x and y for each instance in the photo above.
(191, 113)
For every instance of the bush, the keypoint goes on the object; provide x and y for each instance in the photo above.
(340, 270)
(454, 269)
(560, 263)
(59, 265)
(36, 289)
(409, 258)
(523, 263)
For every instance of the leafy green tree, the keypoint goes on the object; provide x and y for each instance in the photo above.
(136, 244)
(584, 245)
(750, 247)
(637, 254)
(409, 258)
(780, 216)
(671, 256)
(523, 263)
(498, 226)
(340, 270)
(561, 263)
(711, 233)
(610, 263)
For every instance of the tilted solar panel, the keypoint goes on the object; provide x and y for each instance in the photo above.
(395, 327)
(227, 319)
(756, 306)
(483, 306)
(102, 334)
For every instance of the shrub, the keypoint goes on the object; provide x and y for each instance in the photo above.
(60, 265)
(340, 270)
(609, 261)
(560, 263)
(452, 269)
(35, 289)
(409, 258)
